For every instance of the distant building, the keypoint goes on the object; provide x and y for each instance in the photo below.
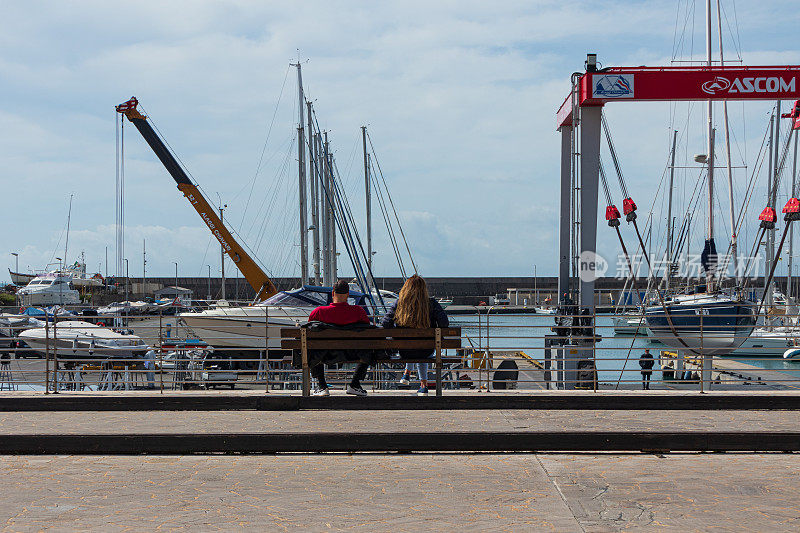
(173, 292)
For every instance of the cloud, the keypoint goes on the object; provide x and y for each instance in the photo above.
(459, 98)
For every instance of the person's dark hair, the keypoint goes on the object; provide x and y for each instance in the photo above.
(341, 287)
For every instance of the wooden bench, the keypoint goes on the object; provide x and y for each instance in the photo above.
(436, 339)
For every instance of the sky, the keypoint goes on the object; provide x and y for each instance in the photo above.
(459, 99)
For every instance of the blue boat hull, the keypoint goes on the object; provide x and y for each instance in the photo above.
(725, 326)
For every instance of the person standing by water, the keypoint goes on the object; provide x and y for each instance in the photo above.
(416, 309)
(646, 362)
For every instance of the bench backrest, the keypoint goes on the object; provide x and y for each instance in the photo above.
(367, 339)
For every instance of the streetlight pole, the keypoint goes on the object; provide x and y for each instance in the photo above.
(535, 285)
(127, 302)
(144, 267)
(176, 278)
(222, 253)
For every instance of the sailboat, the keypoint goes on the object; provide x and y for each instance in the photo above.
(706, 321)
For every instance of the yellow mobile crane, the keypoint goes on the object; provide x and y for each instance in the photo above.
(250, 270)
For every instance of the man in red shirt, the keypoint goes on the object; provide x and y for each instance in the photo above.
(340, 313)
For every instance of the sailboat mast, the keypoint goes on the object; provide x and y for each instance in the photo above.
(367, 194)
(710, 116)
(791, 228)
(770, 235)
(669, 208)
(301, 186)
(710, 269)
(731, 207)
(66, 242)
(323, 202)
(314, 179)
(331, 212)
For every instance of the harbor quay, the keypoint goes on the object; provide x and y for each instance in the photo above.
(537, 488)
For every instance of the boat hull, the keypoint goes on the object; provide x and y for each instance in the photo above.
(247, 328)
(19, 278)
(714, 328)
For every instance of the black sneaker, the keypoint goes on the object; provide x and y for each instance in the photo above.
(356, 391)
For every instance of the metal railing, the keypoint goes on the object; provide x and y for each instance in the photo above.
(501, 351)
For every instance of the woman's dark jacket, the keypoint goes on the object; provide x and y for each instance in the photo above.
(438, 320)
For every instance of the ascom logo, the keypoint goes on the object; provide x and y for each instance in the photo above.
(717, 84)
(765, 84)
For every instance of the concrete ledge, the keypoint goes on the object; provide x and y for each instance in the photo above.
(573, 441)
(382, 401)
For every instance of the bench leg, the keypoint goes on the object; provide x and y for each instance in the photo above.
(438, 361)
(304, 355)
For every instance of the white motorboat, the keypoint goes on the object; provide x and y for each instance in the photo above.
(445, 302)
(52, 288)
(82, 280)
(767, 342)
(258, 325)
(76, 339)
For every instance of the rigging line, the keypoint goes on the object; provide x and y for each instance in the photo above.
(613, 152)
(738, 41)
(264, 147)
(272, 191)
(364, 255)
(384, 211)
(751, 185)
(390, 230)
(283, 175)
(341, 218)
(357, 239)
(675, 29)
(205, 254)
(391, 202)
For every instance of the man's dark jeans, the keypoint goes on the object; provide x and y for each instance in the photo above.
(360, 372)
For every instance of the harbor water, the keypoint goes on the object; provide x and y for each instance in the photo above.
(525, 332)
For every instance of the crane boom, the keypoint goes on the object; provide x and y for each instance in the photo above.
(256, 277)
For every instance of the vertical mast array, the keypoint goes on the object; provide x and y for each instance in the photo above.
(301, 174)
(314, 188)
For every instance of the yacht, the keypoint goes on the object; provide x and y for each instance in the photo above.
(768, 342)
(250, 326)
(712, 324)
(76, 339)
(52, 288)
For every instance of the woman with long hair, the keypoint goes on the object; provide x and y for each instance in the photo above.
(416, 309)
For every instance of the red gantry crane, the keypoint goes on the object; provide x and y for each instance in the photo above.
(579, 121)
